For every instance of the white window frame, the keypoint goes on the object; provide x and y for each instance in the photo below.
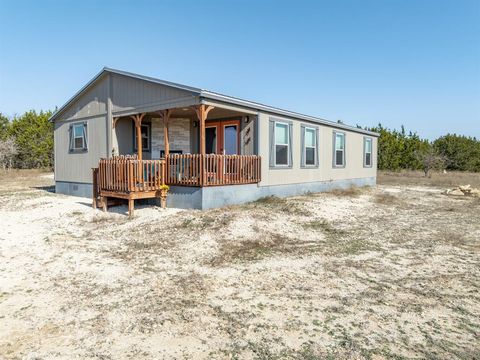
(287, 125)
(84, 128)
(335, 133)
(311, 147)
(365, 141)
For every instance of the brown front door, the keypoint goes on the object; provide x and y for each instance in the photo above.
(222, 137)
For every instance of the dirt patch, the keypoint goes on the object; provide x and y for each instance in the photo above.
(391, 272)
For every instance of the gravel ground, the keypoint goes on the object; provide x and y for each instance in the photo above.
(391, 272)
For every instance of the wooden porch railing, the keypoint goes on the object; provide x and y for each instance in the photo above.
(184, 169)
(125, 175)
(129, 175)
(212, 169)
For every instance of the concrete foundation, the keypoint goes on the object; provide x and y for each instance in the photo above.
(184, 197)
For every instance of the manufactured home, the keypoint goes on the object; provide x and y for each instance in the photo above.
(130, 136)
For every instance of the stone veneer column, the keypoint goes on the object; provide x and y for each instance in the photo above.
(179, 132)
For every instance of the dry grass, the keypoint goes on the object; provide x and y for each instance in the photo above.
(24, 178)
(391, 272)
(437, 179)
(386, 199)
(250, 249)
(350, 192)
(325, 227)
(276, 204)
(26, 184)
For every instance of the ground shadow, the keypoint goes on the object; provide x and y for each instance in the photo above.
(120, 206)
(122, 209)
(47, 188)
(88, 204)
(112, 208)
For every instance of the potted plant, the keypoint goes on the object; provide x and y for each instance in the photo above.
(163, 195)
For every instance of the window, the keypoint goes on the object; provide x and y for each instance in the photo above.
(78, 137)
(145, 131)
(282, 143)
(230, 139)
(367, 152)
(310, 148)
(339, 149)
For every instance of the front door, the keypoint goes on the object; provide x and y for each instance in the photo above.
(222, 137)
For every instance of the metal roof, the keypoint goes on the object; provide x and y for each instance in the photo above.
(211, 95)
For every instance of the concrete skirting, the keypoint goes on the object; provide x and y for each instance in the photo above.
(185, 197)
(219, 196)
(74, 189)
(314, 187)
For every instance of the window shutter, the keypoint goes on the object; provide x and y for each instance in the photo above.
(334, 148)
(85, 136)
(364, 152)
(302, 145)
(70, 145)
(271, 133)
(290, 140)
(317, 146)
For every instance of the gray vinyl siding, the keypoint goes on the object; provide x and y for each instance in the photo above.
(297, 174)
(247, 135)
(127, 95)
(124, 134)
(92, 103)
(77, 167)
(130, 94)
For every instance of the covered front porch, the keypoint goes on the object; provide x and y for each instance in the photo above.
(195, 146)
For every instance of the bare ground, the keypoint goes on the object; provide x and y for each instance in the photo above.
(392, 272)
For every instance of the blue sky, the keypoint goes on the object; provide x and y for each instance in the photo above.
(410, 62)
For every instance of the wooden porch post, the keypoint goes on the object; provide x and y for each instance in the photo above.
(165, 115)
(138, 129)
(138, 122)
(166, 140)
(201, 117)
(202, 114)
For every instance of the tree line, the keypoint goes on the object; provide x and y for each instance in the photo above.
(398, 150)
(26, 141)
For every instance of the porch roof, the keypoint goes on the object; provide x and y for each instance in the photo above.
(214, 96)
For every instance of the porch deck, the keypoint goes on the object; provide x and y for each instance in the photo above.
(129, 178)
